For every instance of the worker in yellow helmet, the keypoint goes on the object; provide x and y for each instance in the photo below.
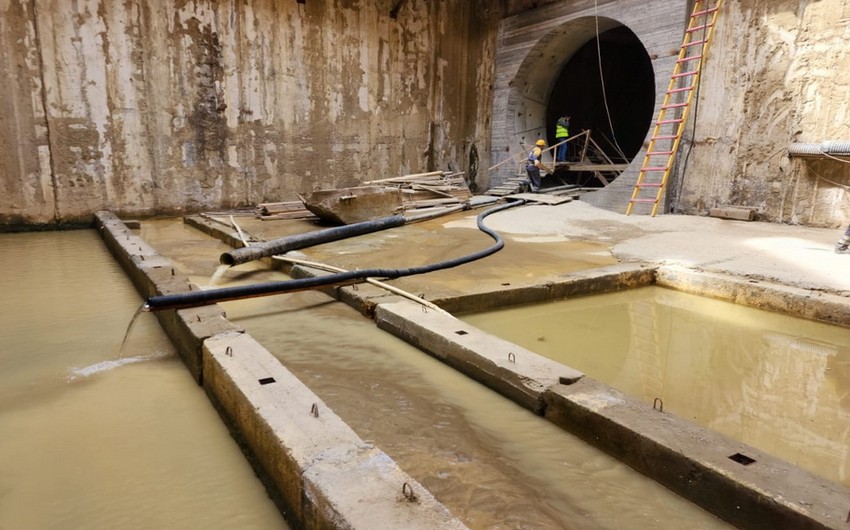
(533, 165)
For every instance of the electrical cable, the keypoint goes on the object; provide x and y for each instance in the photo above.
(602, 77)
(212, 296)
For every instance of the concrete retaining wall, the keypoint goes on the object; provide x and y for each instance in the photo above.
(154, 107)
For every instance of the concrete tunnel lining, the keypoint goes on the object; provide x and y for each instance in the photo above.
(532, 50)
(541, 68)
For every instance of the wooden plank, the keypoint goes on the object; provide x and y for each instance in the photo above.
(596, 167)
(541, 198)
(406, 178)
(426, 203)
(737, 213)
(280, 207)
(289, 215)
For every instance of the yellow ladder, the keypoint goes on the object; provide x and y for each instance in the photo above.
(670, 124)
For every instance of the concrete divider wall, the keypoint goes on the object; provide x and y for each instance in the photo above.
(511, 370)
(760, 294)
(710, 469)
(318, 471)
(577, 283)
(153, 274)
(326, 476)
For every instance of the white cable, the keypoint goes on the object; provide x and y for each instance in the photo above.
(373, 281)
(602, 78)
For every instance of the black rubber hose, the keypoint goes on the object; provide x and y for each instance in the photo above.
(308, 239)
(212, 296)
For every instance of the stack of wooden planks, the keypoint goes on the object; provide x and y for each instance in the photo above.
(429, 191)
(283, 210)
(420, 193)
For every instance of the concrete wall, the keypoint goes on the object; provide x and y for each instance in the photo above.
(169, 106)
(777, 74)
(164, 106)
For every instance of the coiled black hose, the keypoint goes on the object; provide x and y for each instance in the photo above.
(212, 296)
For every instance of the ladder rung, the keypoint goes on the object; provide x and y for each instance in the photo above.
(697, 28)
(689, 58)
(685, 74)
(704, 12)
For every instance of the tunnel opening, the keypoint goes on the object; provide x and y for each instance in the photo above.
(625, 103)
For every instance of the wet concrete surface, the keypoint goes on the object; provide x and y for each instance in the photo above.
(544, 242)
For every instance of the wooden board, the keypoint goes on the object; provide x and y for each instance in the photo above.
(541, 198)
(594, 167)
(733, 212)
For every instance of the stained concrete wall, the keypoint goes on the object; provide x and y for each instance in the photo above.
(163, 106)
(170, 106)
(777, 74)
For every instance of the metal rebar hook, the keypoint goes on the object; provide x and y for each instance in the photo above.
(511, 357)
(407, 491)
(314, 410)
(658, 401)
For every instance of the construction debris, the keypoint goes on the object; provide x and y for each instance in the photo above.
(417, 194)
(283, 210)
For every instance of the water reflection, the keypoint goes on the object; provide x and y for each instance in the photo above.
(769, 380)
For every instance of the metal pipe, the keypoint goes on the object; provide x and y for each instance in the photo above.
(212, 296)
(295, 242)
(829, 147)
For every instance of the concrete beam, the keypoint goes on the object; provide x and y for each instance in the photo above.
(759, 293)
(577, 283)
(511, 370)
(734, 481)
(323, 473)
(153, 274)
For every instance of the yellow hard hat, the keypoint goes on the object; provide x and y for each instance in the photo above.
(541, 143)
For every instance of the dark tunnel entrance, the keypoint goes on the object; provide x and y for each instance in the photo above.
(629, 93)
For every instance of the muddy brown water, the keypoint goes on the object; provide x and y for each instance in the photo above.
(775, 382)
(93, 442)
(489, 461)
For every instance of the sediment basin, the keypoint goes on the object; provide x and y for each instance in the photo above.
(490, 461)
(656, 443)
